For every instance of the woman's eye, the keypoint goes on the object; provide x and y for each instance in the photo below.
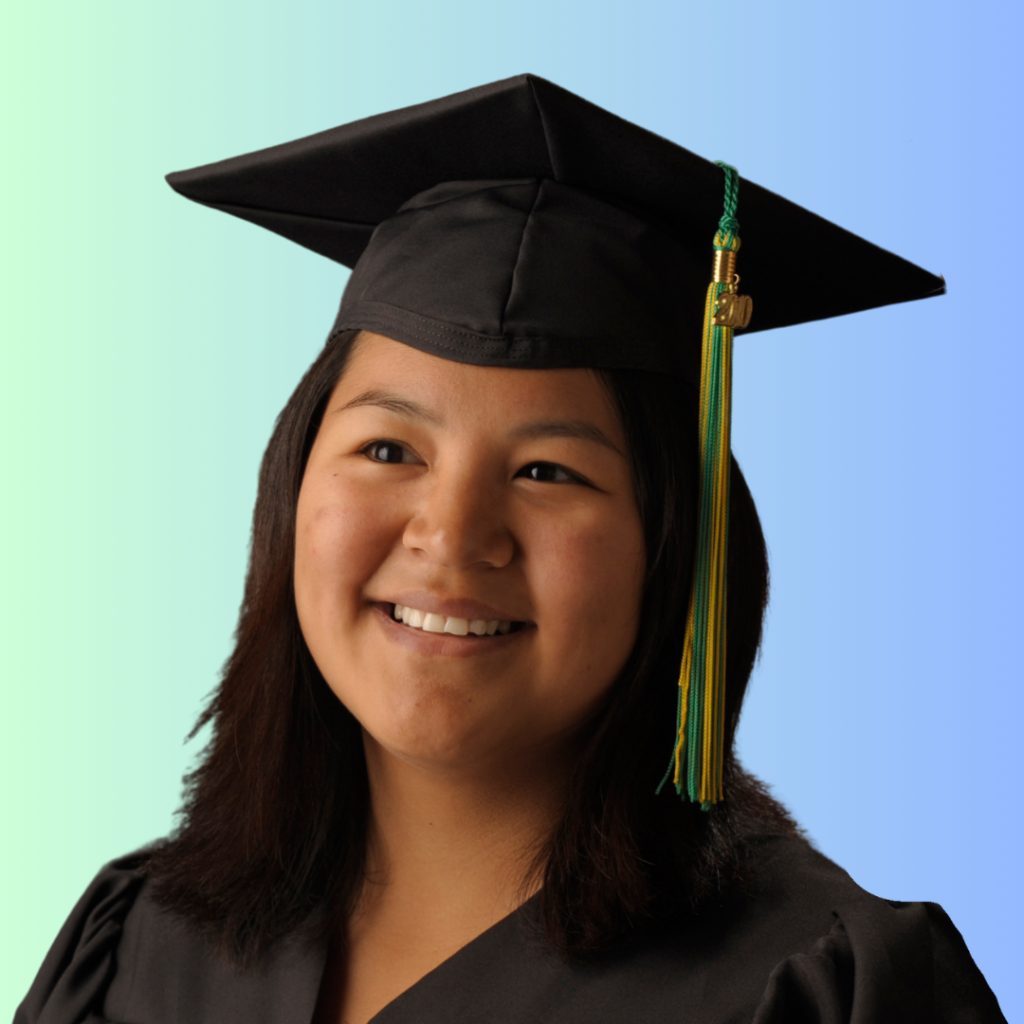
(386, 451)
(547, 473)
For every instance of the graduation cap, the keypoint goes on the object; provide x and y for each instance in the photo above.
(517, 224)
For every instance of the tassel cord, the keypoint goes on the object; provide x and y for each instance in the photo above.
(696, 766)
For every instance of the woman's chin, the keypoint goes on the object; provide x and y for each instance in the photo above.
(444, 734)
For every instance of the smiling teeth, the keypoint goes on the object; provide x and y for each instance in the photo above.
(429, 622)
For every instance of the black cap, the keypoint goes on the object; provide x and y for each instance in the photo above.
(517, 224)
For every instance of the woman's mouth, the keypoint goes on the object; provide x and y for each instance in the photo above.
(430, 622)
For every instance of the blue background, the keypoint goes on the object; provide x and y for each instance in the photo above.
(148, 345)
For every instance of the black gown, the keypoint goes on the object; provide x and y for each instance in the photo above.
(805, 944)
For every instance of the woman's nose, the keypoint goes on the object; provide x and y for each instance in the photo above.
(460, 522)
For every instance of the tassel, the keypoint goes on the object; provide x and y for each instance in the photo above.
(696, 767)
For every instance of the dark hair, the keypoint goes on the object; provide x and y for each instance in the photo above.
(272, 831)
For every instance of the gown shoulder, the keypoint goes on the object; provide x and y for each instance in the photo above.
(72, 982)
(121, 958)
(879, 961)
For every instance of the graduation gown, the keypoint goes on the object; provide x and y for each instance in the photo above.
(804, 944)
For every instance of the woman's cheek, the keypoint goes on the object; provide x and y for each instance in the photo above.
(592, 577)
(342, 538)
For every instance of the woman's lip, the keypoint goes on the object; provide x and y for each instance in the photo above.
(451, 608)
(444, 644)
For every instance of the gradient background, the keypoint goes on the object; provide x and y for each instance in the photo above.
(148, 345)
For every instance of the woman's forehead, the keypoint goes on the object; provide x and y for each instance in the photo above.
(383, 372)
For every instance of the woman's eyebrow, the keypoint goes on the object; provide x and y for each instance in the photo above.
(545, 428)
(566, 428)
(393, 402)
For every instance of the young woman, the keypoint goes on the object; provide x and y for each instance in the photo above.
(484, 540)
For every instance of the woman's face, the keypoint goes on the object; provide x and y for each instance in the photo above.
(468, 495)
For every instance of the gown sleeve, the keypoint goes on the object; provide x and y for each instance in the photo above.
(907, 965)
(73, 979)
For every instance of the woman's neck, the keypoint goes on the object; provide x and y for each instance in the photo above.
(451, 852)
(449, 855)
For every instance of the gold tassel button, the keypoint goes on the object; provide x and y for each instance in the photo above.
(724, 269)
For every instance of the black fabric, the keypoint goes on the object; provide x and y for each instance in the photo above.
(516, 224)
(804, 945)
(543, 273)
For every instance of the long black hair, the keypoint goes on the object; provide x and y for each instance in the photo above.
(272, 833)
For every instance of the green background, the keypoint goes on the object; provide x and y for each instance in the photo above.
(148, 344)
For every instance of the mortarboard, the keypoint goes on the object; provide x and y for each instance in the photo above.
(517, 224)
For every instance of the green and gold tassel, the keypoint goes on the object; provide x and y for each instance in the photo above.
(696, 767)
